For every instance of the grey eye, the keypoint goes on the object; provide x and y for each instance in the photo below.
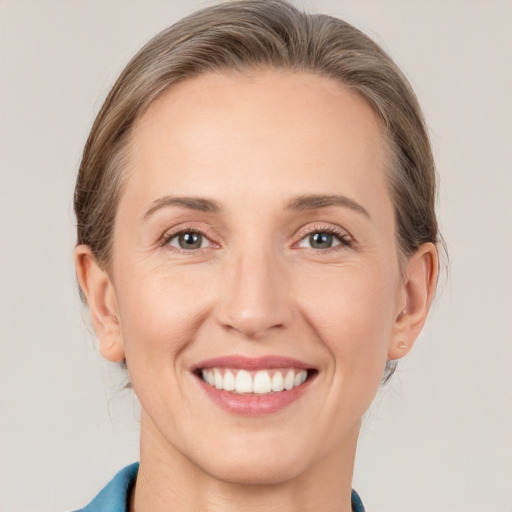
(188, 241)
(320, 240)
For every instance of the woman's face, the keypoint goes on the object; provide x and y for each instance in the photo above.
(254, 245)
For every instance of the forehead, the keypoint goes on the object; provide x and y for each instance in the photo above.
(295, 130)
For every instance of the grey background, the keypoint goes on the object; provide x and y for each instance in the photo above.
(437, 439)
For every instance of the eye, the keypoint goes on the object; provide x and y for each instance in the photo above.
(187, 240)
(320, 240)
(325, 239)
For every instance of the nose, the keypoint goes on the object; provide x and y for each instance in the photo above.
(255, 294)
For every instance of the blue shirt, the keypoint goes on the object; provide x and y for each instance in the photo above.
(114, 497)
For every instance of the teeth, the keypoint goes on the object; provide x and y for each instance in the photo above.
(259, 383)
(219, 381)
(277, 382)
(243, 382)
(289, 380)
(229, 381)
(299, 378)
(262, 383)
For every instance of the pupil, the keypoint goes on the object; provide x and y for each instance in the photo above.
(190, 241)
(320, 240)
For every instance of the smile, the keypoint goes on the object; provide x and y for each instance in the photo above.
(254, 385)
(259, 382)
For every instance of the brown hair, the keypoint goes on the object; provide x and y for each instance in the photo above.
(245, 35)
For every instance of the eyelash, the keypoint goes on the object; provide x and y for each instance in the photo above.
(346, 241)
(169, 236)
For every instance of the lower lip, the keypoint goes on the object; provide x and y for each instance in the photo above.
(255, 405)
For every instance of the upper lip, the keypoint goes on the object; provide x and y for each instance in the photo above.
(252, 363)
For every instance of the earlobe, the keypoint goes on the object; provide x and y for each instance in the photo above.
(419, 289)
(100, 294)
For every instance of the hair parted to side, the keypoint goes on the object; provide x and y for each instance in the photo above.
(245, 35)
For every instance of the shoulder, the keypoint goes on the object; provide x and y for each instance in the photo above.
(114, 496)
(357, 504)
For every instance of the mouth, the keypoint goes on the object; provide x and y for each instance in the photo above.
(254, 385)
(261, 382)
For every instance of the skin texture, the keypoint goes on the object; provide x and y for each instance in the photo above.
(256, 287)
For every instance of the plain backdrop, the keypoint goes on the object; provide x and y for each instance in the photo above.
(438, 439)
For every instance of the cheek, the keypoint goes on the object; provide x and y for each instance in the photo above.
(160, 314)
(160, 310)
(353, 316)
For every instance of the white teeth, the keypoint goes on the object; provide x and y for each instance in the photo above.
(277, 382)
(229, 381)
(300, 378)
(243, 382)
(289, 380)
(262, 383)
(217, 377)
(258, 383)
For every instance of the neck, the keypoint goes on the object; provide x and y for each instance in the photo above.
(168, 480)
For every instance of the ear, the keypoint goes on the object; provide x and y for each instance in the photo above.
(99, 291)
(414, 303)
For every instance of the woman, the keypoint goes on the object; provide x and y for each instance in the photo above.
(257, 242)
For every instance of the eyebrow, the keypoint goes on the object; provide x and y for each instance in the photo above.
(192, 203)
(300, 203)
(317, 201)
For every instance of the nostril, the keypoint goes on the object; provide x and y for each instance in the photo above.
(252, 328)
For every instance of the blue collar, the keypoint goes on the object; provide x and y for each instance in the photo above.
(114, 497)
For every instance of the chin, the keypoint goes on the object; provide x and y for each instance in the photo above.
(263, 472)
(266, 462)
